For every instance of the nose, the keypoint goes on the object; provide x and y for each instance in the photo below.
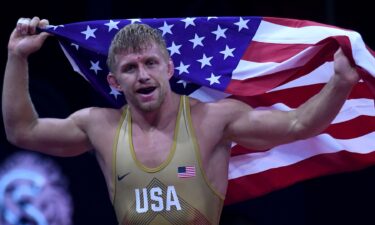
(143, 75)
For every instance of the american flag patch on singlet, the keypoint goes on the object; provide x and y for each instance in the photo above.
(186, 171)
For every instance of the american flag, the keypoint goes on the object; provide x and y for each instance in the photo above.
(269, 63)
(186, 171)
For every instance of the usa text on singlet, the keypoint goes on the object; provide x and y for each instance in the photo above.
(176, 192)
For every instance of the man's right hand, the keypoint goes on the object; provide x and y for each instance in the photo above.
(24, 39)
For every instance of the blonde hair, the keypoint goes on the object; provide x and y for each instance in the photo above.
(134, 38)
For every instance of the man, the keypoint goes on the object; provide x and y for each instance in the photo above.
(164, 156)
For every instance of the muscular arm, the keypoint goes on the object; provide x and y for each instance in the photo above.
(265, 129)
(23, 127)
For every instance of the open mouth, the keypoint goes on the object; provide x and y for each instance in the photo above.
(146, 90)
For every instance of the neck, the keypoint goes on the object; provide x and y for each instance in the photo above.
(159, 118)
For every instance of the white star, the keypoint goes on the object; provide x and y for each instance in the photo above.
(112, 25)
(227, 52)
(51, 26)
(220, 32)
(197, 41)
(205, 61)
(182, 68)
(114, 92)
(54, 27)
(89, 32)
(95, 66)
(242, 24)
(211, 17)
(135, 20)
(213, 79)
(174, 49)
(183, 82)
(75, 46)
(166, 28)
(188, 21)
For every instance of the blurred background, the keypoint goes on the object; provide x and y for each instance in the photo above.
(57, 91)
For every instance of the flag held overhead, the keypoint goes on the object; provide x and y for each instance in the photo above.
(269, 63)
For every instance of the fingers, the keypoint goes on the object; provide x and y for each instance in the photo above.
(23, 25)
(28, 26)
(339, 52)
(34, 22)
(43, 23)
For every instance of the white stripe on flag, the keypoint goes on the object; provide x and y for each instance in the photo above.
(246, 69)
(288, 154)
(275, 33)
(351, 109)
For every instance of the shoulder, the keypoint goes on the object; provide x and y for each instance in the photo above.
(97, 115)
(226, 106)
(222, 112)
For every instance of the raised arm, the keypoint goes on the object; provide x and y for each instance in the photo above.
(265, 129)
(23, 127)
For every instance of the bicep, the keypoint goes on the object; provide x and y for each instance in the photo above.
(262, 129)
(60, 137)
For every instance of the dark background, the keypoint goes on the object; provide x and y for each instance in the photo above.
(57, 91)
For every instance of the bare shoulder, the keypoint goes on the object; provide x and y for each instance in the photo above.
(96, 116)
(100, 125)
(211, 121)
(217, 115)
(225, 107)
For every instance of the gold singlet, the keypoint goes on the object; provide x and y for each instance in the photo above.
(176, 192)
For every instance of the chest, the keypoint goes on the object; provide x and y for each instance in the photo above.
(152, 148)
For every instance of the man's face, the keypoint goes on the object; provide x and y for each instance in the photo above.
(144, 77)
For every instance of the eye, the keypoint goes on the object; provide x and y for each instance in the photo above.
(151, 62)
(128, 68)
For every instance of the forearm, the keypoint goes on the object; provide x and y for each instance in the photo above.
(17, 107)
(318, 112)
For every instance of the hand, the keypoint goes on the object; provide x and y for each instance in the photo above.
(347, 74)
(24, 39)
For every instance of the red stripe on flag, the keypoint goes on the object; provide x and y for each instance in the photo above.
(256, 185)
(265, 52)
(295, 23)
(346, 130)
(353, 128)
(323, 52)
(288, 96)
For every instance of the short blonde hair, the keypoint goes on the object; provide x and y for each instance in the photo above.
(134, 38)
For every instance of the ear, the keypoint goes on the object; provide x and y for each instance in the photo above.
(170, 68)
(112, 81)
